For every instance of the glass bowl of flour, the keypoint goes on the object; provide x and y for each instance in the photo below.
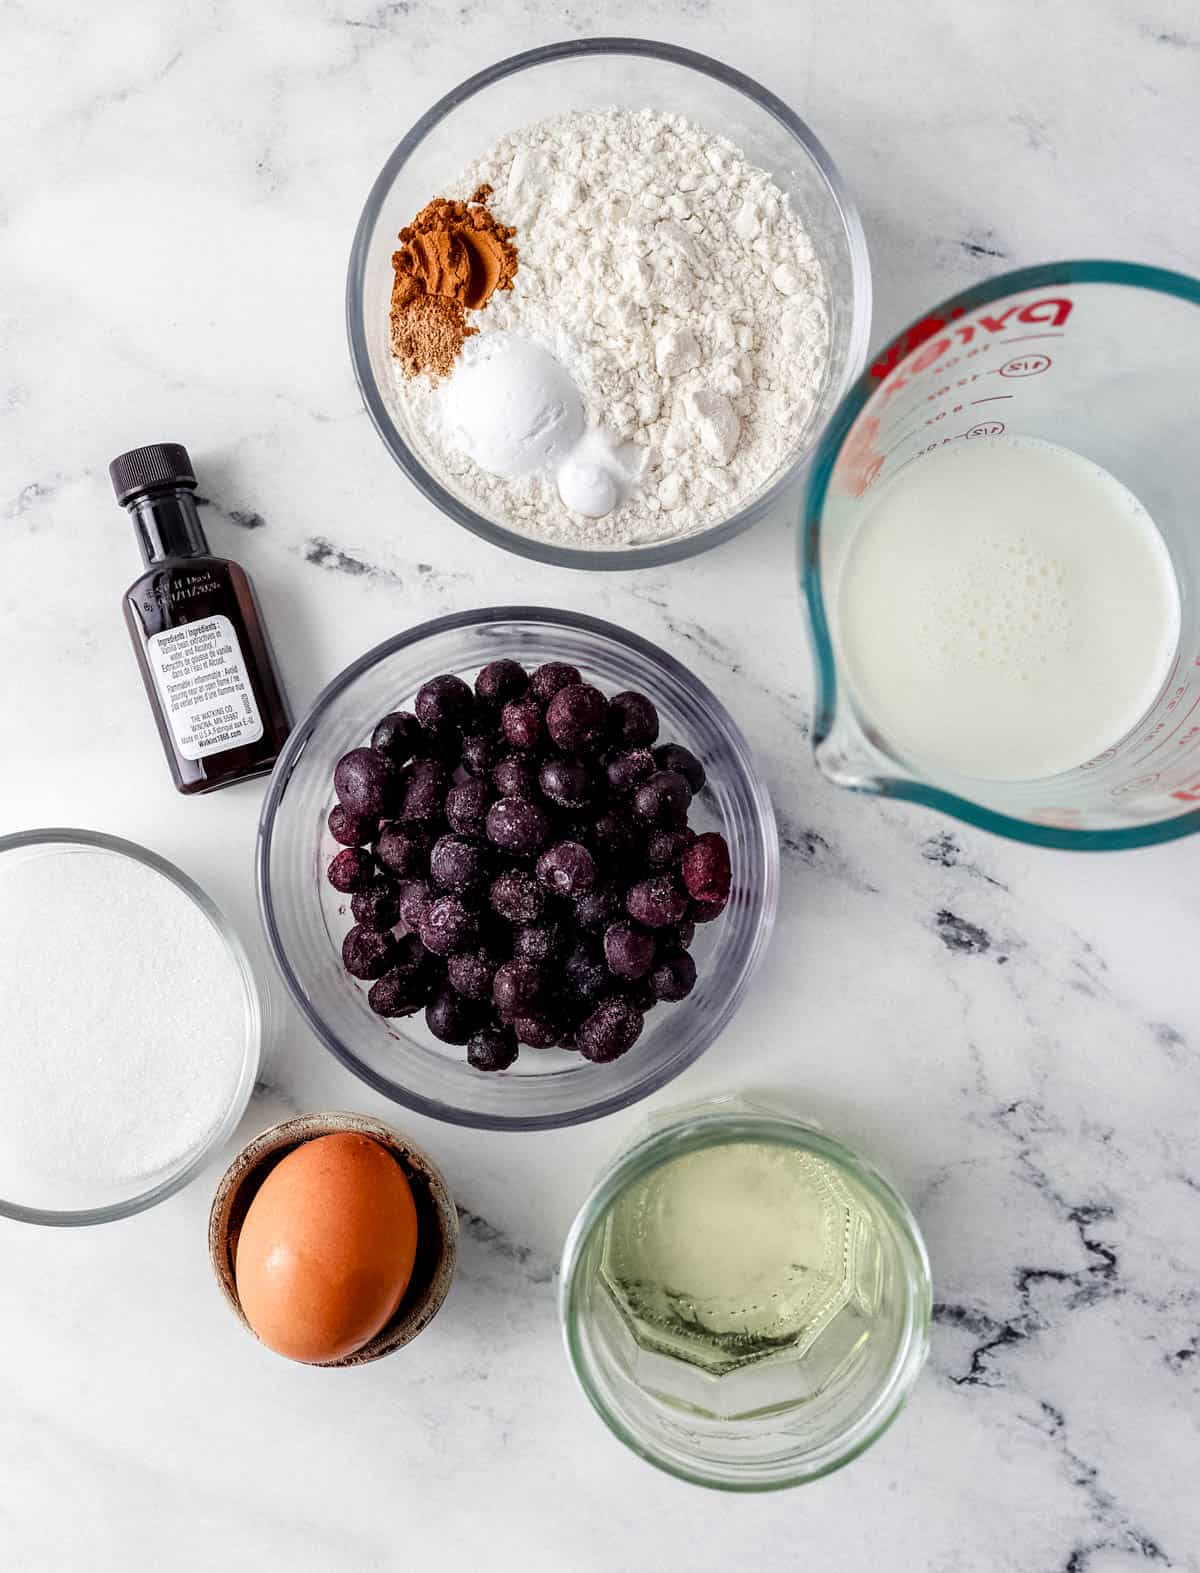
(131, 1028)
(691, 300)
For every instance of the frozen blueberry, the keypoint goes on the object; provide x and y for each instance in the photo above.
(576, 716)
(456, 864)
(629, 769)
(628, 949)
(599, 907)
(672, 757)
(422, 794)
(470, 973)
(447, 925)
(614, 836)
(538, 942)
(566, 782)
(412, 954)
(657, 902)
(477, 784)
(640, 993)
(674, 977)
(444, 747)
(538, 1031)
(366, 953)
(444, 704)
(450, 1017)
(521, 723)
(353, 869)
(518, 987)
(567, 869)
(515, 776)
(401, 991)
(706, 870)
(478, 753)
(403, 850)
(415, 897)
(495, 935)
(365, 781)
(585, 975)
(377, 906)
(517, 826)
(517, 896)
(632, 720)
(678, 937)
(663, 799)
(610, 1031)
(492, 1048)
(352, 830)
(500, 681)
(547, 680)
(397, 736)
(664, 848)
(467, 806)
(574, 827)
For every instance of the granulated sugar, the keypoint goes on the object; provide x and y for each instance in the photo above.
(122, 1026)
(681, 291)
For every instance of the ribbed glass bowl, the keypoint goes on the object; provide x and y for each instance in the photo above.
(305, 919)
(792, 1417)
(592, 74)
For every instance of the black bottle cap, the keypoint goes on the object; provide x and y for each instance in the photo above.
(144, 469)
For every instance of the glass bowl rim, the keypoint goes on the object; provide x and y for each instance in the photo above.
(80, 1216)
(696, 1128)
(303, 729)
(424, 480)
(1160, 281)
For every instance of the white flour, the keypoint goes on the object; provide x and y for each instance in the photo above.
(122, 1025)
(682, 293)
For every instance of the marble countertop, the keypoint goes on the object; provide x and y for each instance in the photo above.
(1011, 1033)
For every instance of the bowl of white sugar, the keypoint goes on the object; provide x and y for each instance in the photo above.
(603, 300)
(130, 1025)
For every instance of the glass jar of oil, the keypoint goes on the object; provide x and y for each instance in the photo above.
(745, 1302)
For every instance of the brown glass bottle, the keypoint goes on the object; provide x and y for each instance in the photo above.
(199, 639)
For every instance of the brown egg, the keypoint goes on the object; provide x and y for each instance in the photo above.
(327, 1248)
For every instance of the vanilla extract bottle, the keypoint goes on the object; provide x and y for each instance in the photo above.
(197, 632)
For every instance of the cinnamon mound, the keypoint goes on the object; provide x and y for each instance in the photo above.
(453, 257)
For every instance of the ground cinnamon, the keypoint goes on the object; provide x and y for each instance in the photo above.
(452, 259)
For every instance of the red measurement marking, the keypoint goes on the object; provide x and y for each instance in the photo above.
(1066, 818)
(1053, 310)
(1105, 758)
(1026, 366)
(908, 341)
(1170, 734)
(1140, 784)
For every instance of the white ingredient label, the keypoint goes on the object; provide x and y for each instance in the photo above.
(205, 688)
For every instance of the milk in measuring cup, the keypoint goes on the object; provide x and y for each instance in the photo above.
(1007, 610)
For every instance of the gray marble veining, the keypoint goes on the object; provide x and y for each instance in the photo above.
(1012, 1034)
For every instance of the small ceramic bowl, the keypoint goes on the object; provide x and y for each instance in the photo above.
(437, 1222)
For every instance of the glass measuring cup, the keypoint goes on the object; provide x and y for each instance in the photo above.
(1097, 357)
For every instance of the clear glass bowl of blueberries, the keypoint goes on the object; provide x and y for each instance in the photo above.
(517, 868)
